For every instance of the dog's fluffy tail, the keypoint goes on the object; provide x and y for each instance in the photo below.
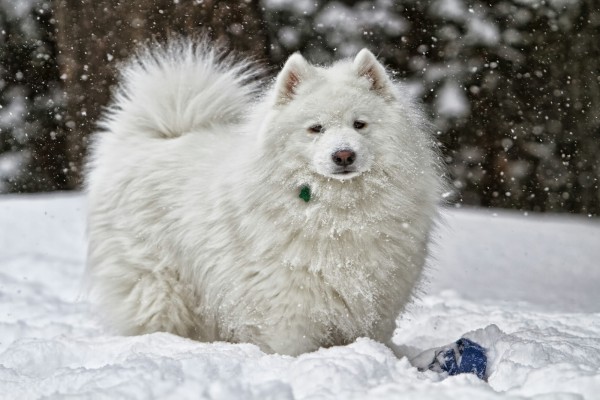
(180, 87)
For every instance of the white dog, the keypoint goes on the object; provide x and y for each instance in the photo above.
(294, 220)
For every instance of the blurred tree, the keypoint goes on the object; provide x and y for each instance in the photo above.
(529, 71)
(512, 85)
(32, 152)
(94, 34)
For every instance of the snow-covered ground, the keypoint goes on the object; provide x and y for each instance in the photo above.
(526, 287)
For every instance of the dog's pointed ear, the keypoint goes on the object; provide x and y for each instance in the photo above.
(366, 65)
(294, 72)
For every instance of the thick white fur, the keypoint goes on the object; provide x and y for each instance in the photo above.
(195, 222)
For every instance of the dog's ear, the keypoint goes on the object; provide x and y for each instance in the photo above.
(295, 70)
(367, 66)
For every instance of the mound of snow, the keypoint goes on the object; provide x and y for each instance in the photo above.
(525, 287)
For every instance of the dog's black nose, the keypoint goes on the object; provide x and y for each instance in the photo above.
(343, 157)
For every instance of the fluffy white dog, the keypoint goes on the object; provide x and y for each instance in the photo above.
(293, 219)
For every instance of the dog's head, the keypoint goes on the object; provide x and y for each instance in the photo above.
(337, 123)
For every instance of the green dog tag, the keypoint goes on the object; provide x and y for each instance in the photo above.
(305, 193)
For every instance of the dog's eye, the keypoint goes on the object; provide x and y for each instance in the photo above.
(358, 124)
(316, 128)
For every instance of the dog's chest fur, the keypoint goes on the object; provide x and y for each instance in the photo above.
(302, 274)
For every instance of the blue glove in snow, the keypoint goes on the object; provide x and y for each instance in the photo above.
(463, 356)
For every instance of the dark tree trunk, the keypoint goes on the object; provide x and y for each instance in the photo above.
(93, 35)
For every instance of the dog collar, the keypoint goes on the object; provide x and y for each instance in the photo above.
(305, 193)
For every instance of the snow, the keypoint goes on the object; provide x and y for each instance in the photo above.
(550, 261)
(452, 101)
(452, 10)
(289, 36)
(17, 9)
(524, 286)
(306, 7)
(483, 32)
(346, 28)
(558, 5)
(10, 163)
(12, 115)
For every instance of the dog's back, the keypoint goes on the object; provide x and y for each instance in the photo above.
(175, 106)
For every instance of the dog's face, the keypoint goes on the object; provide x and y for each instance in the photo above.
(334, 131)
(331, 121)
(339, 149)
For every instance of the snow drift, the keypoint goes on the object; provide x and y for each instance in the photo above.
(526, 287)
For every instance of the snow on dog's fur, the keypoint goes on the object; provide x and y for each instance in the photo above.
(196, 225)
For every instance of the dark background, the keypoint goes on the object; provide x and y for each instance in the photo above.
(513, 86)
